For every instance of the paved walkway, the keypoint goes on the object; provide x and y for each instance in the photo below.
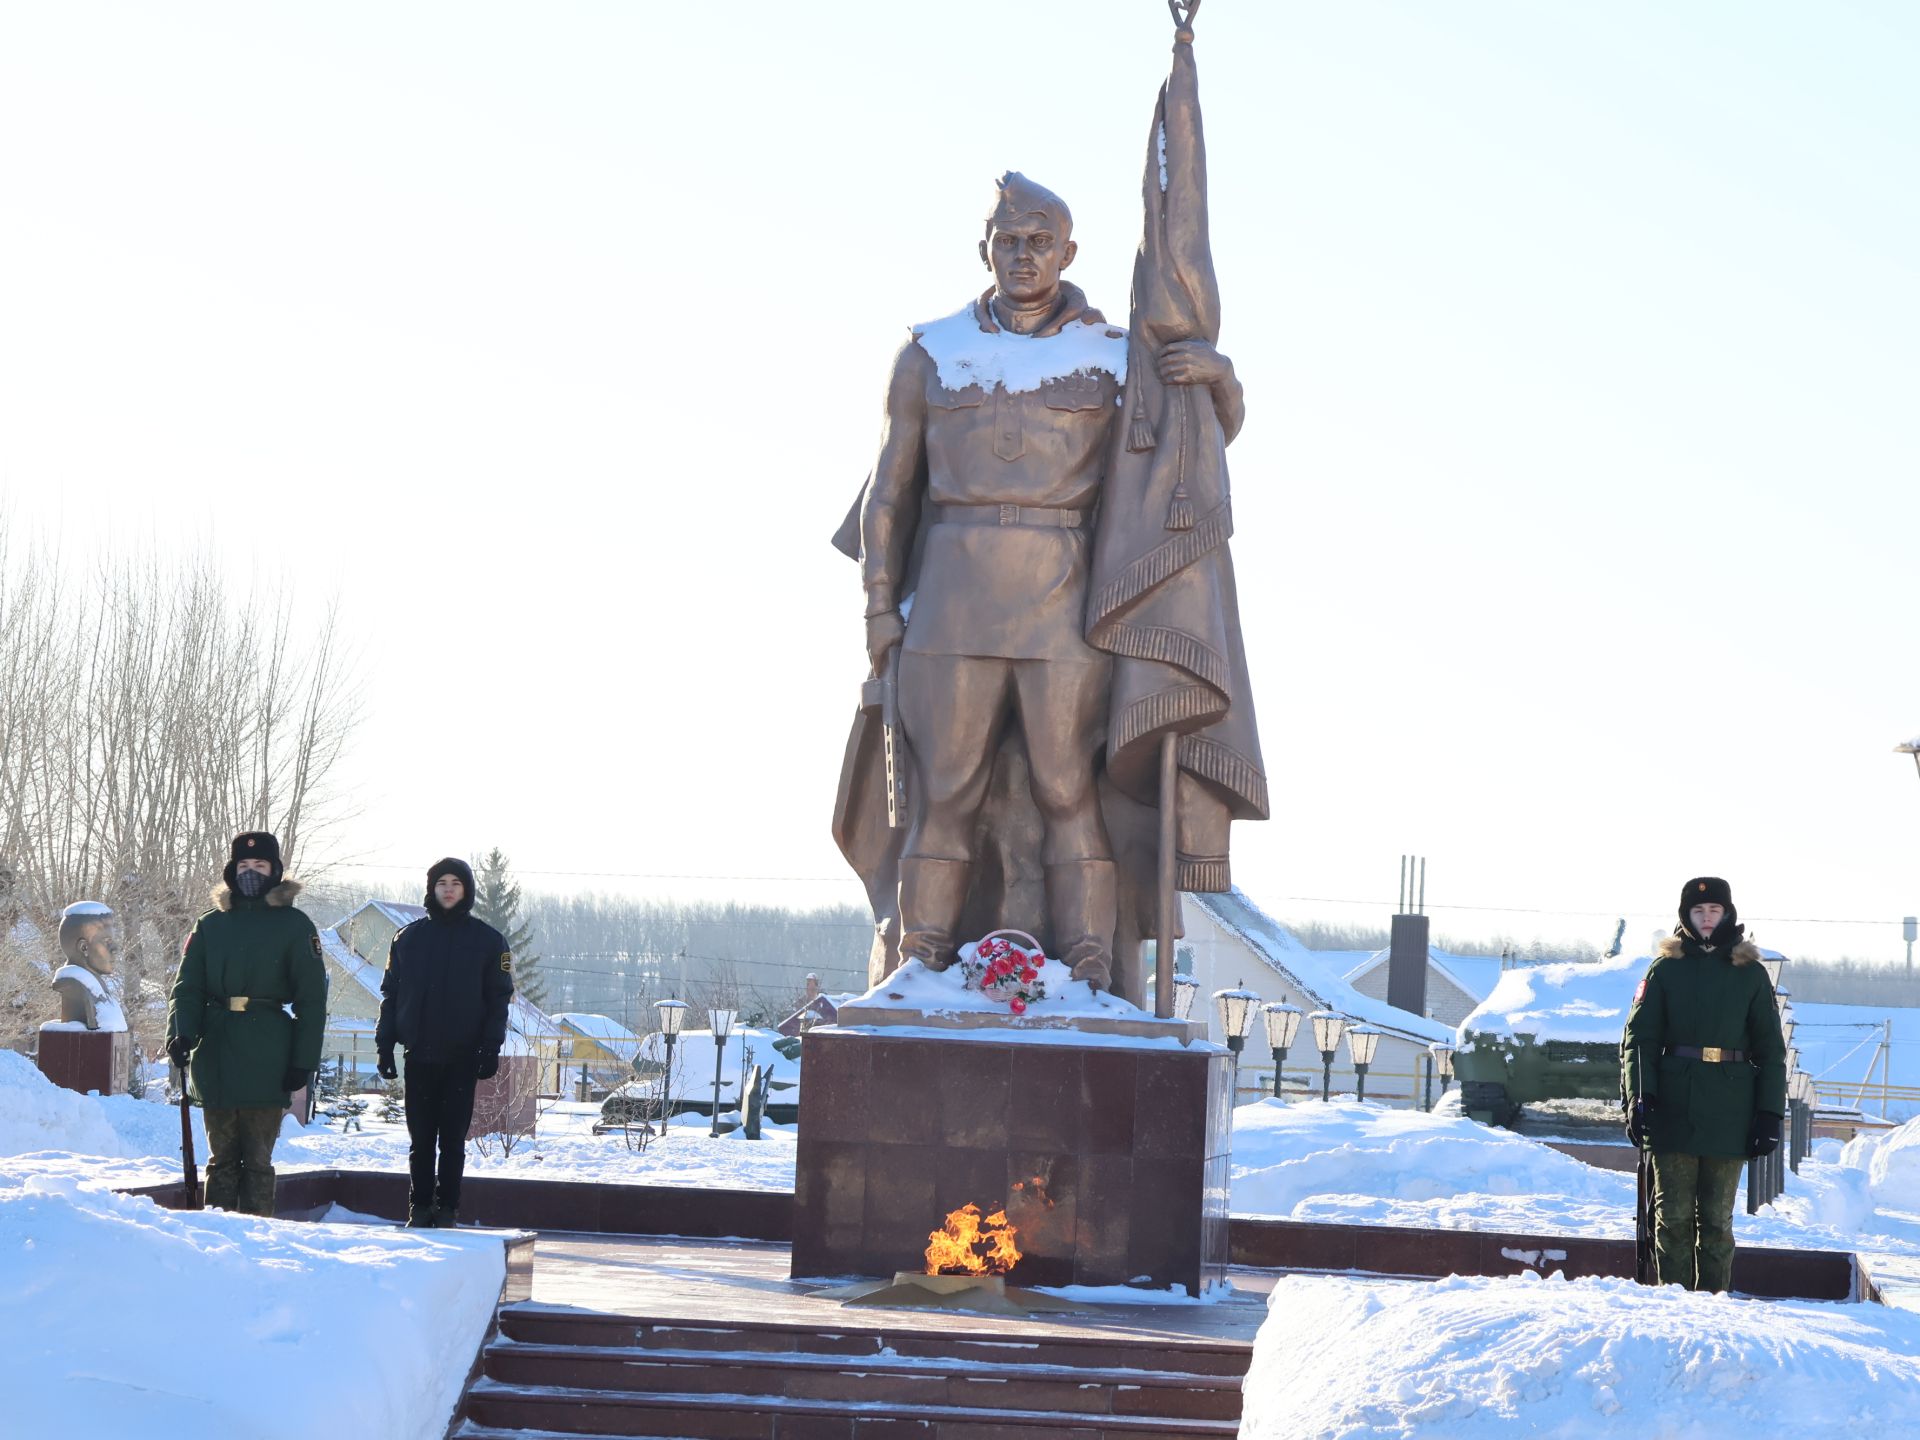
(731, 1281)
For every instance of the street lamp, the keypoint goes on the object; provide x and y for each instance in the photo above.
(673, 1014)
(722, 1022)
(1912, 747)
(1362, 1041)
(1443, 1062)
(1327, 1030)
(1235, 1008)
(1185, 987)
(1283, 1023)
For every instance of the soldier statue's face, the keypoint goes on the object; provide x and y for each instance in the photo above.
(1026, 256)
(96, 945)
(1706, 918)
(448, 890)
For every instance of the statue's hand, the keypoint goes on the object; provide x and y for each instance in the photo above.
(884, 631)
(1193, 362)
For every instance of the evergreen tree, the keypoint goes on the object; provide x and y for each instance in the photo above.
(497, 902)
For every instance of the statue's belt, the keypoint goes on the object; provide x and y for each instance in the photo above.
(1712, 1054)
(239, 1004)
(1011, 515)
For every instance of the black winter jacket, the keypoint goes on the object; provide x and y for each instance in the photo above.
(445, 994)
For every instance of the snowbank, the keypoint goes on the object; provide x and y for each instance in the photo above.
(120, 1318)
(1368, 1164)
(1462, 1359)
(1576, 1002)
(1890, 1162)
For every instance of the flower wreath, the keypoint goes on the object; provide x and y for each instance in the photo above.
(1003, 971)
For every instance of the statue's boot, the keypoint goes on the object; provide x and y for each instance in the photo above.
(932, 893)
(1082, 903)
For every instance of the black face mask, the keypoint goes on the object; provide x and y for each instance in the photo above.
(251, 883)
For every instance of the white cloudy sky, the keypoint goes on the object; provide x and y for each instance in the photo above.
(1577, 506)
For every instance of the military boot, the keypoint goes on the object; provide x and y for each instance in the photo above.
(1081, 906)
(420, 1217)
(932, 893)
(446, 1217)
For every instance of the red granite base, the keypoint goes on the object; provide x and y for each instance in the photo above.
(86, 1060)
(1111, 1159)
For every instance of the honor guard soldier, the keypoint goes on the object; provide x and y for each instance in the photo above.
(246, 1017)
(1704, 1077)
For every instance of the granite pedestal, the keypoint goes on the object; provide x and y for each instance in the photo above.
(1111, 1156)
(84, 1060)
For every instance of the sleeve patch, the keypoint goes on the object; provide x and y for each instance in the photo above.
(318, 954)
(1640, 990)
(506, 961)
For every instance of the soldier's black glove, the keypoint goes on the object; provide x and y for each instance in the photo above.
(1640, 1119)
(1764, 1137)
(386, 1069)
(180, 1050)
(293, 1080)
(487, 1065)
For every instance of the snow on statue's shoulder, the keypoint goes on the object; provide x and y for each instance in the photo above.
(965, 355)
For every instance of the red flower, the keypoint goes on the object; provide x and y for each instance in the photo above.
(1017, 1005)
(1027, 977)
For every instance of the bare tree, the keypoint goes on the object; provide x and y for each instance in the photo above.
(147, 715)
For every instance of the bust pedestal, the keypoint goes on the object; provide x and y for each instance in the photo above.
(81, 1059)
(1109, 1152)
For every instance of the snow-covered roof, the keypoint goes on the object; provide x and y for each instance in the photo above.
(363, 973)
(1583, 1001)
(597, 1027)
(397, 911)
(1309, 971)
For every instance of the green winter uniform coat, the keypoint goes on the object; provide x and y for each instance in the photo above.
(266, 951)
(1699, 999)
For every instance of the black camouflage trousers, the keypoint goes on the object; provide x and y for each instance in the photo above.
(1693, 1201)
(240, 1158)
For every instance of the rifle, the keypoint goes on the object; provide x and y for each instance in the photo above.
(882, 693)
(192, 1171)
(1643, 1218)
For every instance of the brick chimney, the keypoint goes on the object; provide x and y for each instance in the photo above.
(1407, 948)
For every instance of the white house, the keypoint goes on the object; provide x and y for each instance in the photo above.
(1231, 942)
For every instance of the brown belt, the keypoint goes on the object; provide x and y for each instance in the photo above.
(1712, 1054)
(1010, 515)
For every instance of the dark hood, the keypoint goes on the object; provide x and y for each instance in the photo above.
(454, 866)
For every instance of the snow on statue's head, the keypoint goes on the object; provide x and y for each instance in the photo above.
(1015, 197)
(86, 936)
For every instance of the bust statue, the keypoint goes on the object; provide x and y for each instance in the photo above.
(89, 993)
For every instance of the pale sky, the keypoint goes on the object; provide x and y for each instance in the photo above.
(1576, 505)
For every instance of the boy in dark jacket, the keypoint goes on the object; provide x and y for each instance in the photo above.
(249, 960)
(1704, 1073)
(449, 978)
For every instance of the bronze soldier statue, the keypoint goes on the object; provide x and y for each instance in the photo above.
(1043, 547)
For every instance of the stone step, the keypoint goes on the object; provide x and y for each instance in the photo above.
(494, 1410)
(871, 1379)
(1089, 1350)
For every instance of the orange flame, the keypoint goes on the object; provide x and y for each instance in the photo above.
(964, 1247)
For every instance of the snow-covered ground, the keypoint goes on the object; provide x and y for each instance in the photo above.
(120, 1318)
(1462, 1357)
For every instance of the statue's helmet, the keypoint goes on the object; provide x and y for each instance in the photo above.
(1015, 196)
(76, 921)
